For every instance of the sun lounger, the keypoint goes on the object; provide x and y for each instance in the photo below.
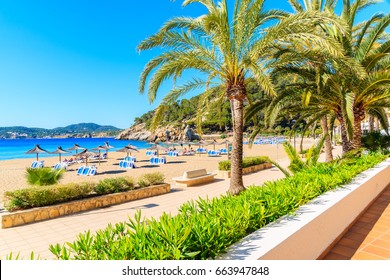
(157, 160)
(126, 164)
(129, 158)
(80, 170)
(86, 170)
(212, 153)
(151, 153)
(194, 177)
(201, 150)
(92, 171)
(223, 151)
(37, 164)
(173, 154)
(60, 165)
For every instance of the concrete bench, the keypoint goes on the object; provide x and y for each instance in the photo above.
(194, 177)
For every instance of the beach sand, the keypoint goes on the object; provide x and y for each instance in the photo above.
(12, 172)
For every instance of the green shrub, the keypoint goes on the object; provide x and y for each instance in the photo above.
(225, 165)
(114, 185)
(375, 141)
(49, 195)
(46, 195)
(151, 179)
(206, 228)
(43, 176)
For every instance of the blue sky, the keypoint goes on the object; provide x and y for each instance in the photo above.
(65, 62)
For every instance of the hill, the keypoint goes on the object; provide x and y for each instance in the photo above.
(74, 130)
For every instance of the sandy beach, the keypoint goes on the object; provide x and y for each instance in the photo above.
(12, 172)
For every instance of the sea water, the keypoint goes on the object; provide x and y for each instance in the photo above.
(17, 148)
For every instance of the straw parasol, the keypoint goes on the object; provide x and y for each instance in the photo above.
(107, 147)
(99, 148)
(156, 147)
(214, 142)
(171, 143)
(128, 149)
(59, 151)
(75, 147)
(37, 150)
(85, 154)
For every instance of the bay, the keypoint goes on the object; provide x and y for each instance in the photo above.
(17, 148)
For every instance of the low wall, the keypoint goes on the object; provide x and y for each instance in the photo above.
(12, 219)
(313, 229)
(246, 170)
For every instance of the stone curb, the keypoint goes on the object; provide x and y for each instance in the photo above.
(12, 219)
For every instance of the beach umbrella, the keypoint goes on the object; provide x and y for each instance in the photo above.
(107, 147)
(59, 151)
(201, 143)
(128, 149)
(171, 143)
(157, 147)
(214, 142)
(99, 148)
(37, 150)
(86, 154)
(75, 147)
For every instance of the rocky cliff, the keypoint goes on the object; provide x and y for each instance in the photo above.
(170, 133)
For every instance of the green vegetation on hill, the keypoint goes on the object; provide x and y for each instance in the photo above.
(74, 130)
(215, 112)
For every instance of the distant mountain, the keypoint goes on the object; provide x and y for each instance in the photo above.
(75, 130)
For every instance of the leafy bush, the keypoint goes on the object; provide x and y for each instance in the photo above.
(47, 195)
(225, 165)
(114, 185)
(375, 141)
(151, 179)
(43, 196)
(206, 228)
(43, 176)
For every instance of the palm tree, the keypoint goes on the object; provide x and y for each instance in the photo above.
(357, 84)
(227, 50)
(321, 6)
(369, 45)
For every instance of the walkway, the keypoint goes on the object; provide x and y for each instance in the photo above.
(38, 236)
(369, 237)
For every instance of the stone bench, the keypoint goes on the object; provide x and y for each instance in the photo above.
(194, 177)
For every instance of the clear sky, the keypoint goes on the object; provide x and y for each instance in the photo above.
(66, 62)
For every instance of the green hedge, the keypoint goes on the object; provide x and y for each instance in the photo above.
(49, 195)
(225, 165)
(206, 228)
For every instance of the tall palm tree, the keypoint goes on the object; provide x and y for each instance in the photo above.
(227, 48)
(369, 45)
(347, 93)
(328, 6)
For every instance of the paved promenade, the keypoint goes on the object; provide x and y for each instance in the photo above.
(38, 236)
(368, 239)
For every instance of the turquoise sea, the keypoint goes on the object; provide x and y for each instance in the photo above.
(17, 148)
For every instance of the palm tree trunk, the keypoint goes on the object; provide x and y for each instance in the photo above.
(236, 183)
(371, 123)
(377, 124)
(327, 143)
(344, 134)
(359, 116)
